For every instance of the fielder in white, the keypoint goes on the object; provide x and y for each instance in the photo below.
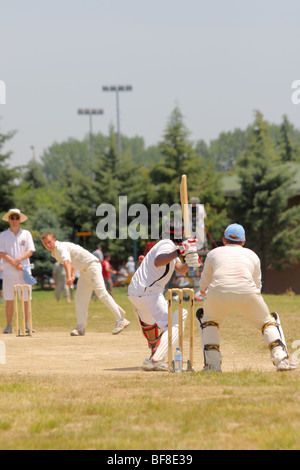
(231, 280)
(146, 292)
(74, 257)
(16, 248)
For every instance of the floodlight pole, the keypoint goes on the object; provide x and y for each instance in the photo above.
(90, 113)
(117, 89)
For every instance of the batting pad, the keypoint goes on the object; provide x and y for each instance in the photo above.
(162, 349)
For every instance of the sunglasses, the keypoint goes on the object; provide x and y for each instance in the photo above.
(14, 217)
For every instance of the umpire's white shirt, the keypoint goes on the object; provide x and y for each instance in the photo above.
(79, 258)
(149, 279)
(231, 268)
(15, 246)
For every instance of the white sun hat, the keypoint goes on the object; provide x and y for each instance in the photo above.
(23, 217)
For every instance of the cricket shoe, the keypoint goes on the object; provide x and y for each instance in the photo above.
(150, 366)
(120, 325)
(285, 365)
(27, 330)
(78, 331)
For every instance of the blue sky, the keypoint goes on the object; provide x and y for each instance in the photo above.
(218, 61)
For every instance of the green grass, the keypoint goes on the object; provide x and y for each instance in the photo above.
(244, 410)
(234, 410)
(48, 313)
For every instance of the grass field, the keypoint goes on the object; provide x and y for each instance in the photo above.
(247, 408)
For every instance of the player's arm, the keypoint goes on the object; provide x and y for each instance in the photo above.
(165, 258)
(24, 256)
(181, 268)
(70, 272)
(9, 259)
(206, 277)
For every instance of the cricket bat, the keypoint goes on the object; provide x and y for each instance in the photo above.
(185, 206)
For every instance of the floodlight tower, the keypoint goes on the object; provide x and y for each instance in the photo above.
(117, 89)
(91, 113)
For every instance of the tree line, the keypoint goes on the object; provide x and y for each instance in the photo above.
(61, 192)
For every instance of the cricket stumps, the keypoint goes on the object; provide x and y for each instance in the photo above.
(24, 329)
(181, 292)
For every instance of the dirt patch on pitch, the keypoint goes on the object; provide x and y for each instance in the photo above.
(57, 353)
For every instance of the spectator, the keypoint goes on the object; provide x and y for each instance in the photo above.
(107, 271)
(60, 282)
(130, 265)
(98, 253)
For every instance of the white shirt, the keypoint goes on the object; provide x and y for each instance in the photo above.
(231, 268)
(17, 245)
(79, 258)
(149, 279)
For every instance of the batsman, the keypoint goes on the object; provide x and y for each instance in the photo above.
(147, 287)
(146, 291)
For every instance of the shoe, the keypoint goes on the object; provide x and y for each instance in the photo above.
(211, 368)
(285, 365)
(78, 331)
(120, 325)
(150, 366)
(8, 330)
(27, 330)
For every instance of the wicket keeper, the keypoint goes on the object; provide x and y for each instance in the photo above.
(231, 280)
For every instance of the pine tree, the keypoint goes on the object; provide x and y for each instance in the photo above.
(178, 156)
(176, 149)
(108, 171)
(288, 149)
(272, 229)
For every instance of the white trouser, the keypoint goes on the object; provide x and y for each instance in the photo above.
(218, 305)
(153, 309)
(90, 280)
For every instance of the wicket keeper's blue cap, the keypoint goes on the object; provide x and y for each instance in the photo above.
(235, 232)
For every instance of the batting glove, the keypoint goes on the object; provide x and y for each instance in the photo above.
(192, 260)
(187, 246)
